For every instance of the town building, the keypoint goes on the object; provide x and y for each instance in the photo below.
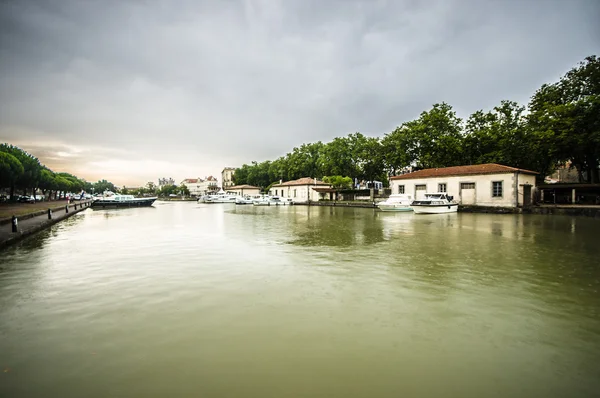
(201, 186)
(209, 184)
(227, 177)
(243, 190)
(481, 185)
(300, 191)
(194, 185)
(165, 181)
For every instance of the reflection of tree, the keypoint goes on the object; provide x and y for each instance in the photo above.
(336, 226)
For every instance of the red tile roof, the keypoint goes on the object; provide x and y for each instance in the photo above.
(301, 181)
(191, 180)
(488, 168)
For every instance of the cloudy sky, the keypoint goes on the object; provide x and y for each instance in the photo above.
(133, 90)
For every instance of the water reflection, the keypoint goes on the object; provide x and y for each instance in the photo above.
(334, 226)
(254, 301)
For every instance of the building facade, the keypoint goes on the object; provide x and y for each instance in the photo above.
(489, 184)
(300, 191)
(194, 185)
(227, 177)
(243, 190)
(209, 184)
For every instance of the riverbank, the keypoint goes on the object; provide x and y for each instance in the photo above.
(37, 220)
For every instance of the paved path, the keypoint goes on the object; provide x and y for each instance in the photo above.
(35, 222)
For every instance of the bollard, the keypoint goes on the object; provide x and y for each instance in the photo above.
(75, 206)
(49, 214)
(15, 224)
(66, 208)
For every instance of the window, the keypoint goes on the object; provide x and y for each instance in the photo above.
(496, 189)
(442, 187)
(294, 193)
(400, 188)
(467, 185)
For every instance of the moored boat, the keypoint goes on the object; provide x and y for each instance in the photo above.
(396, 202)
(111, 199)
(435, 203)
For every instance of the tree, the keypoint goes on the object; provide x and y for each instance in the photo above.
(47, 181)
(566, 115)
(435, 138)
(338, 158)
(10, 171)
(27, 180)
(338, 181)
(394, 149)
(500, 136)
(184, 190)
(103, 185)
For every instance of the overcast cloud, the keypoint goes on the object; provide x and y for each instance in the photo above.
(136, 90)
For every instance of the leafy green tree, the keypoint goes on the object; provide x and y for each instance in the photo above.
(338, 181)
(500, 136)
(184, 190)
(10, 171)
(566, 117)
(435, 138)
(394, 149)
(27, 180)
(47, 182)
(338, 158)
(103, 185)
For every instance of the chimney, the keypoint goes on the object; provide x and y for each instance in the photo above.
(280, 182)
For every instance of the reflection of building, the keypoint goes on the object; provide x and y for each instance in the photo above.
(227, 177)
(243, 190)
(165, 181)
(300, 191)
(483, 184)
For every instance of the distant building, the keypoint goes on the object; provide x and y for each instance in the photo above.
(243, 190)
(481, 185)
(194, 185)
(165, 181)
(227, 177)
(209, 184)
(300, 191)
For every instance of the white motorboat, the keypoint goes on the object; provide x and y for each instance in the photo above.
(111, 199)
(243, 200)
(435, 203)
(396, 202)
(272, 201)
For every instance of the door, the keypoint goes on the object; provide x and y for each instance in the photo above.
(467, 193)
(526, 195)
(420, 192)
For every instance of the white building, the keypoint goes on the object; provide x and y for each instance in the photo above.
(209, 184)
(482, 185)
(227, 177)
(300, 191)
(194, 185)
(243, 190)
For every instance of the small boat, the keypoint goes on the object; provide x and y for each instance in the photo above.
(272, 201)
(261, 201)
(243, 200)
(435, 203)
(396, 202)
(111, 199)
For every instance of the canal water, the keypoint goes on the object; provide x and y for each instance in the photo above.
(198, 300)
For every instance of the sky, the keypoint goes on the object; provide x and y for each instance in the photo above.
(132, 90)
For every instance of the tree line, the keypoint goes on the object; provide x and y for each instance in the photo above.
(23, 172)
(560, 124)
